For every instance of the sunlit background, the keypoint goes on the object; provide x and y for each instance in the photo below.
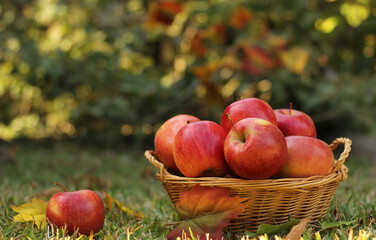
(111, 72)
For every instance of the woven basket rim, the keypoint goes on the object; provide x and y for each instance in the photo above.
(339, 174)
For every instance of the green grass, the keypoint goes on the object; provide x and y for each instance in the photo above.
(130, 179)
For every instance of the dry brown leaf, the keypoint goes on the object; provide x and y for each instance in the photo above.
(297, 230)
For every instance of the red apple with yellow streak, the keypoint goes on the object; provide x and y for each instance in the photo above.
(248, 108)
(295, 123)
(81, 210)
(165, 136)
(307, 156)
(198, 150)
(255, 149)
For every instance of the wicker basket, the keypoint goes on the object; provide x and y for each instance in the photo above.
(273, 201)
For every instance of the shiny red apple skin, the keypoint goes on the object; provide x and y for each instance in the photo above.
(165, 136)
(198, 150)
(248, 108)
(295, 123)
(307, 157)
(260, 153)
(83, 210)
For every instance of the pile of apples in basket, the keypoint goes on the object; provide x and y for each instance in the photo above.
(253, 141)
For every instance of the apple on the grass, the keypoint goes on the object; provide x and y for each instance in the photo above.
(294, 122)
(198, 150)
(255, 149)
(83, 210)
(165, 136)
(247, 108)
(307, 156)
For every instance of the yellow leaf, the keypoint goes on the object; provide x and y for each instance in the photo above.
(109, 201)
(326, 25)
(355, 13)
(34, 211)
(295, 59)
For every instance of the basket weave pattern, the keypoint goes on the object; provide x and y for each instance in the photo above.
(271, 201)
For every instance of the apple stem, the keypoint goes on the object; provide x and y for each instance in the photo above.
(290, 108)
(62, 186)
(233, 125)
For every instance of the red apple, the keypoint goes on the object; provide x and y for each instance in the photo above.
(307, 157)
(164, 138)
(248, 108)
(82, 210)
(294, 122)
(198, 149)
(255, 149)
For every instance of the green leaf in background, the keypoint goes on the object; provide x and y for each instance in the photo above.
(325, 225)
(273, 229)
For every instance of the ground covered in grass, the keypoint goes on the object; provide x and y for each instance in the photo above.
(29, 171)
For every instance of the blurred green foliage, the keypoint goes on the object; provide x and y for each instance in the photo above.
(113, 71)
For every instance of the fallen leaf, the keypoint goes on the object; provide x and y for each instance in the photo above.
(325, 225)
(210, 224)
(109, 201)
(34, 211)
(297, 230)
(206, 210)
(274, 229)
